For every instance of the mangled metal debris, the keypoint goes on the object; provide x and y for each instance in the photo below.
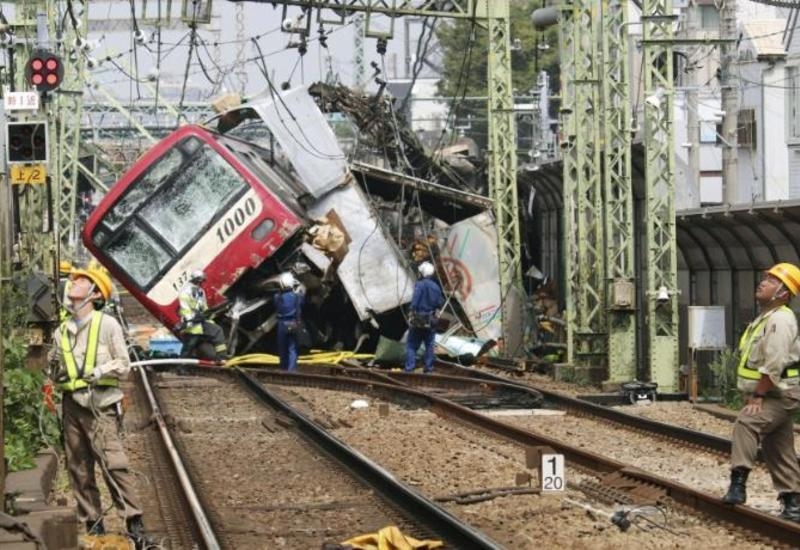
(291, 199)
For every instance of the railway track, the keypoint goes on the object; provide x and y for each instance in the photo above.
(247, 470)
(617, 481)
(581, 407)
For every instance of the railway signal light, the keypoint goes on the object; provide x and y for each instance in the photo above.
(44, 71)
(26, 142)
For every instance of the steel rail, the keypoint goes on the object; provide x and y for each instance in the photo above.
(754, 521)
(693, 437)
(202, 523)
(709, 441)
(449, 527)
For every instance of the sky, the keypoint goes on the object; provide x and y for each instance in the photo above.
(227, 39)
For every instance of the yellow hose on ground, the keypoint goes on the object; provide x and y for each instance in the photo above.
(316, 356)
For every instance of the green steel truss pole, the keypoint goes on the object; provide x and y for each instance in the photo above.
(502, 136)
(661, 254)
(583, 201)
(68, 110)
(34, 246)
(39, 239)
(618, 187)
(503, 153)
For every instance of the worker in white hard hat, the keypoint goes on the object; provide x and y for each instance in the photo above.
(426, 301)
(288, 308)
(195, 327)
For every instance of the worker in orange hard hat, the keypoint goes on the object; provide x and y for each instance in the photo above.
(90, 357)
(768, 374)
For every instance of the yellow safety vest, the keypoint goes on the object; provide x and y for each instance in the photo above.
(746, 344)
(192, 300)
(76, 376)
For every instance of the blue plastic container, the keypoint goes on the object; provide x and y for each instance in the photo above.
(166, 345)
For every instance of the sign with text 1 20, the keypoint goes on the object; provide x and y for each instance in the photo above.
(552, 473)
(21, 101)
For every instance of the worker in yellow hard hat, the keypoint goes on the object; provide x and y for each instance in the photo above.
(91, 357)
(64, 267)
(768, 374)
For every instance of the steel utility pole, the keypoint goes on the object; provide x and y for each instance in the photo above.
(730, 101)
(47, 212)
(618, 203)
(495, 14)
(661, 242)
(581, 70)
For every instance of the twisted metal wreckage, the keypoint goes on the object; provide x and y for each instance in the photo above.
(365, 219)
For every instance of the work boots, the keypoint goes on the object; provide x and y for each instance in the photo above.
(791, 506)
(95, 527)
(136, 532)
(737, 493)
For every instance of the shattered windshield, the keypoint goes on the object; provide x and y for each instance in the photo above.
(192, 198)
(144, 187)
(138, 254)
(167, 208)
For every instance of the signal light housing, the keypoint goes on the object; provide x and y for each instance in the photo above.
(26, 142)
(44, 71)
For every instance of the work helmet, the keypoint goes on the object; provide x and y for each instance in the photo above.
(197, 276)
(287, 280)
(788, 274)
(426, 269)
(100, 279)
(64, 267)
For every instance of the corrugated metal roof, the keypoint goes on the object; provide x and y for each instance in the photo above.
(766, 35)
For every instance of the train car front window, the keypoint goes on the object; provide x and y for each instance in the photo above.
(138, 254)
(144, 188)
(192, 198)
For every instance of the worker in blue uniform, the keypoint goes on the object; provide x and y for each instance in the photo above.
(288, 307)
(426, 301)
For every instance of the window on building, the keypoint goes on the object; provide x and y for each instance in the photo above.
(709, 17)
(708, 132)
(793, 100)
(746, 128)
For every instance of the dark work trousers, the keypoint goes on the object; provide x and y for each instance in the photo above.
(213, 334)
(417, 336)
(287, 346)
(773, 429)
(90, 439)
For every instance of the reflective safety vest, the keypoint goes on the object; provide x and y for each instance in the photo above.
(192, 301)
(76, 375)
(746, 344)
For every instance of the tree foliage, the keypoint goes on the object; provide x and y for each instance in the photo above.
(28, 425)
(465, 63)
(465, 53)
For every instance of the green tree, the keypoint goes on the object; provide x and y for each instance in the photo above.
(28, 425)
(532, 50)
(465, 59)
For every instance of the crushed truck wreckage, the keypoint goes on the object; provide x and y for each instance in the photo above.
(266, 187)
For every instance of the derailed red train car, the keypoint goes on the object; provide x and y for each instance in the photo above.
(237, 208)
(140, 230)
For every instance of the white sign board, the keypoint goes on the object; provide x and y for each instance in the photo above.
(21, 101)
(707, 327)
(552, 472)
